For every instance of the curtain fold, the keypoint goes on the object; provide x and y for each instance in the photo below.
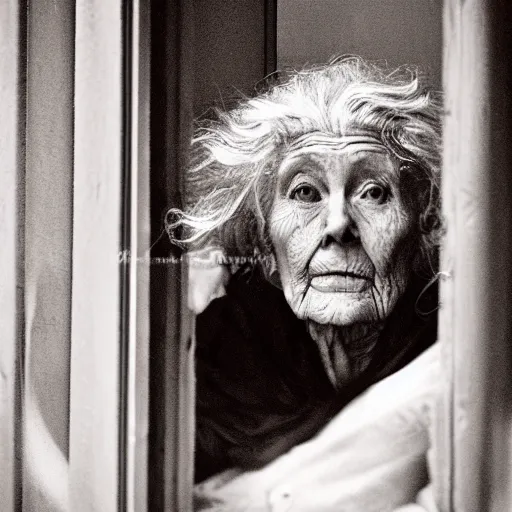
(47, 252)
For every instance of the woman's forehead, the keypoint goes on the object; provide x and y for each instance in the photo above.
(352, 150)
(325, 140)
(351, 143)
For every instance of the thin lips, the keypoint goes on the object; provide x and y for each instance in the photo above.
(343, 274)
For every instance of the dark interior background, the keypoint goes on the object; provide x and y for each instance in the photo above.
(397, 31)
(232, 54)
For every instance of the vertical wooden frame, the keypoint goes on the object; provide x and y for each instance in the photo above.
(473, 452)
(171, 379)
(110, 322)
(12, 99)
(109, 377)
(139, 265)
(94, 462)
(44, 213)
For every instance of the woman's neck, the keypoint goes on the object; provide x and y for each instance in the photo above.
(346, 351)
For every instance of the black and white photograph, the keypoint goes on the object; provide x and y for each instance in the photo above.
(255, 256)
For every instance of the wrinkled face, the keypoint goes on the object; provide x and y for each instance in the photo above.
(342, 229)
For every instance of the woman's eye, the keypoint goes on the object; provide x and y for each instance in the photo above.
(376, 194)
(306, 194)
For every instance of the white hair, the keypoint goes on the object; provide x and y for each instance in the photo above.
(229, 184)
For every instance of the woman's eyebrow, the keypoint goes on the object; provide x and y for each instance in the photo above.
(365, 169)
(291, 165)
(372, 148)
(369, 156)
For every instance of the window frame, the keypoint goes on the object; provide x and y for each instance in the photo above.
(472, 430)
(12, 98)
(105, 134)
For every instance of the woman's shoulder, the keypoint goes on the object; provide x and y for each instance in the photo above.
(251, 333)
(257, 370)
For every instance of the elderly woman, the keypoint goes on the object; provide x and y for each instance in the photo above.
(324, 191)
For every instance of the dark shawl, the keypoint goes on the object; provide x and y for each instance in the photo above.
(261, 386)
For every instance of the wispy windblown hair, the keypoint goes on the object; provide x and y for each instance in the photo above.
(229, 184)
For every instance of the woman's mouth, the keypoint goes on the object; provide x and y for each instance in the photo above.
(340, 282)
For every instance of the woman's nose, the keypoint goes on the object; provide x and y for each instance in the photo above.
(340, 226)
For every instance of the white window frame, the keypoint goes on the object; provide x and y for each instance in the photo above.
(11, 307)
(75, 93)
(110, 336)
(473, 430)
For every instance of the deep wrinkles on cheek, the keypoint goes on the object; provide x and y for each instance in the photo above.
(286, 228)
(284, 223)
(386, 291)
(387, 249)
(297, 257)
(382, 295)
(375, 295)
(398, 258)
(303, 246)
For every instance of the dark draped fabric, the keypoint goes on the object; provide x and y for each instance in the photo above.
(261, 386)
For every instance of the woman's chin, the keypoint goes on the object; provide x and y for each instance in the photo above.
(341, 308)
